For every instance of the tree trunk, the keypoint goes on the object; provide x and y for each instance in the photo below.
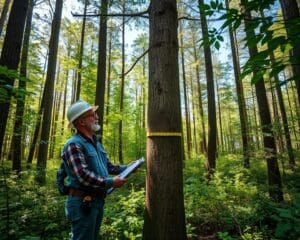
(221, 142)
(203, 143)
(108, 75)
(4, 15)
(240, 94)
(48, 91)
(274, 178)
(18, 126)
(101, 68)
(79, 70)
(290, 11)
(10, 57)
(120, 146)
(164, 213)
(187, 117)
(211, 102)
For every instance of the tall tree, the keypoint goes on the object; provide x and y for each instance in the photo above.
(211, 102)
(291, 13)
(101, 69)
(186, 108)
(81, 48)
(274, 178)
(122, 83)
(203, 143)
(240, 93)
(164, 213)
(18, 126)
(48, 93)
(4, 13)
(10, 57)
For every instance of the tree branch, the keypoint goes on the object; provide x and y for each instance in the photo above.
(136, 61)
(138, 14)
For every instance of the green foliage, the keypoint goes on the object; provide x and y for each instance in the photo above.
(35, 212)
(233, 205)
(124, 216)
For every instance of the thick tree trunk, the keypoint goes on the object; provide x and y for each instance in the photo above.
(211, 102)
(48, 91)
(164, 213)
(10, 57)
(101, 69)
(274, 178)
(18, 126)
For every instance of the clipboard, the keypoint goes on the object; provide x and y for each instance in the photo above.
(130, 168)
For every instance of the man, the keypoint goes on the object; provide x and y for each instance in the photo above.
(87, 167)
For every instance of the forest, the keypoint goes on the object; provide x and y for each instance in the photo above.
(208, 92)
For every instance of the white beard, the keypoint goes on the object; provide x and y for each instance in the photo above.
(95, 127)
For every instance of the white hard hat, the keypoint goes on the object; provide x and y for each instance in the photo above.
(77, 109)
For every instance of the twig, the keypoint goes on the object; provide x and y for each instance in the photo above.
(136, 61)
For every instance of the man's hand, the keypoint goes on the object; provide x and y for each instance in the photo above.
(118, 182)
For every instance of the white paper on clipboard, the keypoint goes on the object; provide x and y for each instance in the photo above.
(130, 168)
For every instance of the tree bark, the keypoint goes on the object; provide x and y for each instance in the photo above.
(164, 213)
(274, 178)
(186, 111)
(18, 126)
(79, 70)
(101, 68)
(211, 102)
(49, 91)
(10, 58)
(203, 143)
(122, 83)
(240, 95)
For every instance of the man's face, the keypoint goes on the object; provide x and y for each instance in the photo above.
(90, 120)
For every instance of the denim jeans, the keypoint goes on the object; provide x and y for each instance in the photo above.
(84, 226)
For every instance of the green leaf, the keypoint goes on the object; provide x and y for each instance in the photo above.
(217, 45)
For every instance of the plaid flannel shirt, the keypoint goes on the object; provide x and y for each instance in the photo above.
(74, 157)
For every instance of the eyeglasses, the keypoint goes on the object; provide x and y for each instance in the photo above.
(91, 115)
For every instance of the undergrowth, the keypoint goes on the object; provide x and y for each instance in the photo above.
(233, 205)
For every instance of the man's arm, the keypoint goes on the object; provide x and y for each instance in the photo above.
(76, 162)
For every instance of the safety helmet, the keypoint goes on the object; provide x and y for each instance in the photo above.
(77, 109)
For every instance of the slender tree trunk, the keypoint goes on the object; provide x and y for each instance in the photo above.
(48, 91)
(101, 69)
(240, 94)
(285, 122)
(120, 147)
(274, 178)
(211, 102)
(203, 144)
(79, 71)
(10, 57)
(18, 126)
(221, 143)
(194, 114)
(4, 15)
(108, 75)
(187, 118)
(257, 134)
(164, 213)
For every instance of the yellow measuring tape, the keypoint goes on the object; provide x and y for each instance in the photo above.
(164, 134)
